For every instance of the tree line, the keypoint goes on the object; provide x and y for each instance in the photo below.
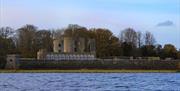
(28, 39)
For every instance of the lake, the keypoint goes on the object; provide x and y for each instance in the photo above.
(89, 81)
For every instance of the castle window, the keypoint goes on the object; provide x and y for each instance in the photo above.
(59, 45)
(75, 49)
(75, 45)
(10, 60)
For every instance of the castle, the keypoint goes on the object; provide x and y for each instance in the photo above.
(70, 48)
(66, 44)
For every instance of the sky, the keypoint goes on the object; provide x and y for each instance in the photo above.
(160, 17)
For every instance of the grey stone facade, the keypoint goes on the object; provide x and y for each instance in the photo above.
(73, 45)
(12, 61)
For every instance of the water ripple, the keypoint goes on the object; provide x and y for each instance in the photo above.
(88, 81)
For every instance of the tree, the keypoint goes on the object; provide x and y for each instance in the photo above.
(178, 54)
(139, 39)
(27, 41)
(114, 46)
(148, 50)
(159, 50)
(129, 41)
(106, 43)
(75, 30)
(137, 51)
(129, 36)
(44, 40)
(169, 50)
(57, 33)
(6, 32)
(6, 41)
(6, 44)
(127, 49)
(149, 38)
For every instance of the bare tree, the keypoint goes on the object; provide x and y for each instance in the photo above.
(6, 32)
(139, 39)
(149, 38)
(57, 33)
(129, 36)
(44, 40)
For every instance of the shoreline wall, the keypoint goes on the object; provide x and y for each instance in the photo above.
(100, 64)
(15, 62)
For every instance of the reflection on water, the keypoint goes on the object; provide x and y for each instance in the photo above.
(88, 81)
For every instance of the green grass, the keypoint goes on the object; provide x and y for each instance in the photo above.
(89, 71)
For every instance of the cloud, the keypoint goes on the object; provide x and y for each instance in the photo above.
(165, 23)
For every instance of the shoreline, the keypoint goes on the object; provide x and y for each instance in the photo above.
(89, 71)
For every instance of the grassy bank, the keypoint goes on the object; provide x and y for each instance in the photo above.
(89, 71)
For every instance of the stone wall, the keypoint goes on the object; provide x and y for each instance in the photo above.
(101, 64)
(12, 61)
(68, 45)
(41, 54)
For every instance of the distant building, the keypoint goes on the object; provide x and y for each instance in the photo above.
(65, 44)
(70, 48)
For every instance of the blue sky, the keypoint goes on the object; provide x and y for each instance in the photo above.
(116, 15)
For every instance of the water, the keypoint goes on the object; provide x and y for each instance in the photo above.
(89, 81)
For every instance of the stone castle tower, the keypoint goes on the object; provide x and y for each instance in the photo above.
(66, 44)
